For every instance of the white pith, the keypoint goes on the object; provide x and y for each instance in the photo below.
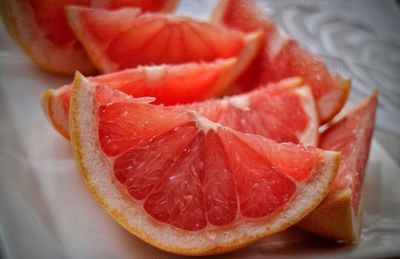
(240, 101)
(99, 176)
(154, 74)
(203, 123)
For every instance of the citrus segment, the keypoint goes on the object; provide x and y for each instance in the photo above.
(339, 215)
(41, 29)
(282, 57)
(182, 183)
(154, 39)
(169, 84)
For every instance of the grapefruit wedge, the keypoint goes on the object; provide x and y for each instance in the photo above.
(40, 27)
(284, 112)
(169, 84)
(282, 57)
(185, 184)
(154, 39)
(339, 215)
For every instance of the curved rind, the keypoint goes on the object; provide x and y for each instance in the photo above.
(96, 170)
(54, 111)
(333, 219)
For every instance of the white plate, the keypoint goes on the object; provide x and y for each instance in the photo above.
(46, 211)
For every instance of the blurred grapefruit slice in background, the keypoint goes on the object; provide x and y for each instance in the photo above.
(169, 84)
(339, 215)
(282, 57)
(154, 39)
(41, 29)
(185, 184)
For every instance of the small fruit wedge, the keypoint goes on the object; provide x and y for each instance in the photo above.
(185, 184)
(169, 84)
(282, 57)
(339, 215)
(154, 39)
(40, 27)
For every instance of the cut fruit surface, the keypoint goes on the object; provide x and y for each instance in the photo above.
(282, 57)
(154, 39)
(339, 215)
(185, 184)
(41, 28)
(169, 84)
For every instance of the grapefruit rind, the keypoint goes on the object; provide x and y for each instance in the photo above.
(53, 108)
(96, 170)
(20, 22)
(333, 218)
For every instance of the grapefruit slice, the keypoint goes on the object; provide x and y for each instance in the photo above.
(169, 84)
(154, 39)
(282, 57)
(185, 184)
(284, 112)
(40, 27)
(339, 215)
